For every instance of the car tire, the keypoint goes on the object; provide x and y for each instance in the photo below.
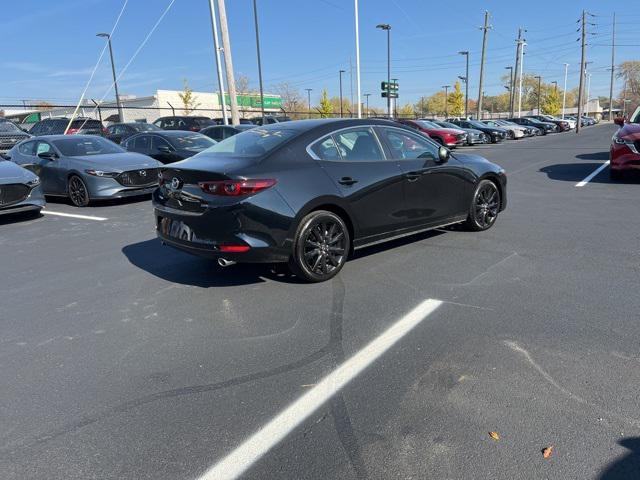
(511, 135)
(321, 246)
(484, 208)
(77, 191)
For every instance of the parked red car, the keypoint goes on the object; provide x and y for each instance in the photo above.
(624, 154)
(449, 137)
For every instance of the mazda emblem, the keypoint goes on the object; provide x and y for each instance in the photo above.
(175, 183)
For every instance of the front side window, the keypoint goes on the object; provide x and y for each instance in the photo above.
(43, 147)
(27, 148)
(358, 145)
(85, 145)
(407, 145)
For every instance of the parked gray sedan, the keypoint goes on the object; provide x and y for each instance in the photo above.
(20, 189)
(86, 167)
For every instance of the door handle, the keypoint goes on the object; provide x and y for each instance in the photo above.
(347, 181)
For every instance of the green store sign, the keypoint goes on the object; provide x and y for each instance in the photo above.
(253, 101)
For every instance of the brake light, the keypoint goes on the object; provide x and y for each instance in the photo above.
(234, 248)
(72, 131)
(236, 188)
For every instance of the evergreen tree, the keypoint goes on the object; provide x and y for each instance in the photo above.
(326, 109)
(456, 101)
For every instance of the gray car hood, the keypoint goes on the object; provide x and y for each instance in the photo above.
(13, 173)
(116, 162)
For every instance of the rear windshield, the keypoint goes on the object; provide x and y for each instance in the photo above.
(255, 142)
(146, 127)
(203, 121)
(76, 147)
(8, 127)
(86, 124)
(193, 142)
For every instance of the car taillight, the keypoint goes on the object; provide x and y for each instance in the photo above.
(234, 248)
(235, 188)
(72, 131)
(194, 129)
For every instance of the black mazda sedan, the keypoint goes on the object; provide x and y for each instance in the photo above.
(309, 192)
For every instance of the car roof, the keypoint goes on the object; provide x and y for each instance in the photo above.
(169, 133)
(306, 125)
(60, 136)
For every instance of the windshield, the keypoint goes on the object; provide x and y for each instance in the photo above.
(635, 118)
(146, 127)
(477, 124)
(77, 147)
(427, 124)
(194, 142)
(8, 127)
(448, 125)
(252, 143)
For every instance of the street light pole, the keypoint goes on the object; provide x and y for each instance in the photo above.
(309, 100)
(367, 95)
(357, 32)
(340, 76)
(564, 92)
(387, 27)
(466, 84)
(255, 19)
(446, 101)
(216, 46)
(113, 71)
(539, 86)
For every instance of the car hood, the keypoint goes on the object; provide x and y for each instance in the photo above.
(116, 162)
(630, 131)
(13, 173)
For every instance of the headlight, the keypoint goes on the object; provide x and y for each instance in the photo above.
(621, 141)
(100, 173)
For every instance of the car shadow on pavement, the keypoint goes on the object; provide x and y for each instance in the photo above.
(628, 466)
(401, 242)
(10, 218)
(594, 156)
(101, 203)
(576, 172)
(178, 267)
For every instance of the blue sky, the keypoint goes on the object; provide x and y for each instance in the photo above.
(53, 47)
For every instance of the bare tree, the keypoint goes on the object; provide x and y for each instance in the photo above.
(292, 100)
(242, 84)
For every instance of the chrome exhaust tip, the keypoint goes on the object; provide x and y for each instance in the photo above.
(223, 262)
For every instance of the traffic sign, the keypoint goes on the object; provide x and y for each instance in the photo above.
(391, 95)
(386, 86)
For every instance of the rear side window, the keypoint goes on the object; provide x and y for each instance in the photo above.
(358, 145)
(326, 149)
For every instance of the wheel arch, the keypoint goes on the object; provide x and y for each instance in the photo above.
(493, 178)
(332, 204)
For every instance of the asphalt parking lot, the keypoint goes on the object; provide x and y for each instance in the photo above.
(122, 358)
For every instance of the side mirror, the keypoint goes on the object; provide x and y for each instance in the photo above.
(619, 121)
(443, 154)
(48, 155)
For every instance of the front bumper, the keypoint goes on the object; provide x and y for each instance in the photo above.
(101, 188)
(478, 140)
(622, 157)
(34, 201)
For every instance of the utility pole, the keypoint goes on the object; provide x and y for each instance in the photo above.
(228, 63)
(588, 94)
(255, 20)
(340, 76)
(484, 48)
(355, 8)
(520, 82)
(309, 99)
(367, 95)
(539, 78)
(582, 69)
(613, 56)
(564, 91)
(216, 46)
(510, 86)
(515, 77)
(466, 84)
(446, 101)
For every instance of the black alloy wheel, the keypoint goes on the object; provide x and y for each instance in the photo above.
(321, 246)
(484, 206)
(511, 135)
(78, 192)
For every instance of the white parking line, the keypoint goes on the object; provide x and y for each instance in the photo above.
(73, 215)
(239, 460)
(592, 174)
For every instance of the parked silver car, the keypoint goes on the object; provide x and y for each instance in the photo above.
(513, 131)
(86, 167)
(20, 189)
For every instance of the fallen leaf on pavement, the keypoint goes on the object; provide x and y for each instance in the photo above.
(494, 435)
(546, 452)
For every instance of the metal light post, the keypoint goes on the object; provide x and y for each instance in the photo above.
(466, 84)
(539, 86)
(340, 76)
(255, 19)
(357, 32)
(309, 100)
(555, 86)
(564, 92)
(387, 27)
(588, 92)
(510, 87)
(446, 101)
(216, 46)
(113, 71)
(367, 95)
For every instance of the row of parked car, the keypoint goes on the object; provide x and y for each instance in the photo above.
(92, 162)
